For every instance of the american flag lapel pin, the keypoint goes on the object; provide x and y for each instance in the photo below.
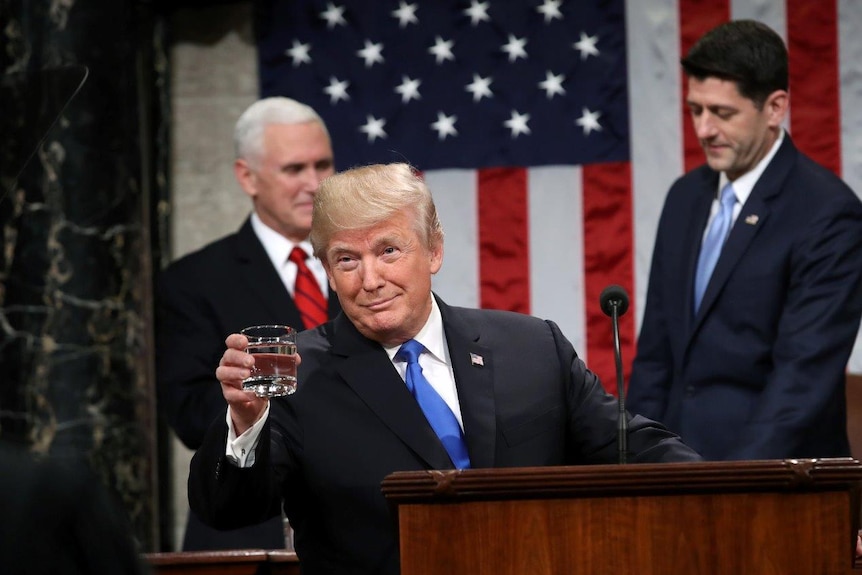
(476, 359)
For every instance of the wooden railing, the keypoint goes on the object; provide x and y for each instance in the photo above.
(237, 562)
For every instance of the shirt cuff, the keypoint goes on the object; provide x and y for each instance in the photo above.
(240, 450)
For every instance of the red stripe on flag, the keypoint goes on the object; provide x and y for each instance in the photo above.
(608, 259)
(504, 265)
(815, 119)
(696, 17)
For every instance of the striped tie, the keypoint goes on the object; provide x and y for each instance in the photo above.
(306, 292)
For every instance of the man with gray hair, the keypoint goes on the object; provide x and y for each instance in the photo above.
(283, 151)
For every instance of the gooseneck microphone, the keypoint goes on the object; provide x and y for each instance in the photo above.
(615, 302)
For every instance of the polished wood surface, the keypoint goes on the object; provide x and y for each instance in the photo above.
(854, 414)
(236, 562)
(765, 517)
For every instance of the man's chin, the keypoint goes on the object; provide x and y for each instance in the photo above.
(380, 326)
(717, 164)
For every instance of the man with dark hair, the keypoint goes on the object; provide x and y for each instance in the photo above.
(726, 53)
(755, 289)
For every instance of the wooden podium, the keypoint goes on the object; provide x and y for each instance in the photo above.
(723, 518)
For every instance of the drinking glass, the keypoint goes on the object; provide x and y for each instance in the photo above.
(274, 350)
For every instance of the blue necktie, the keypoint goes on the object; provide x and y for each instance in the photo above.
(436, 411)
(712, 243)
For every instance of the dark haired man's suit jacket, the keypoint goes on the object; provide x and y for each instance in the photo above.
(530, 401)
(201, 299)
(759, 371)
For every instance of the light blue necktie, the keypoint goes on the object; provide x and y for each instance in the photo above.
(436, 411)
(712, 243)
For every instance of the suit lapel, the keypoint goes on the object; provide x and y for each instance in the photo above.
(366, 368)
(751, 219)
(473, 365)
(262, 281)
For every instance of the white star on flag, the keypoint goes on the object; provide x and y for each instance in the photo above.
(479, 87)
(589, 121)
(299, 53)
(550, 9)
(337, 90)
(334, 15)
(445, 126)
(406, 14)
(372, 53)
(442, 49)
(409, 89)
(552, 84)
(373, 127)
(478, 12)
(515, 48)
(586, 46)
(517, 123)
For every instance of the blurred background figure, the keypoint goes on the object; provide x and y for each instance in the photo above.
(251, 277)
(58, 519)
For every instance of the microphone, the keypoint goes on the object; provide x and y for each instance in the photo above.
(615, 302)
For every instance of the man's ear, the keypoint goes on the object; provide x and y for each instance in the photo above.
(776, 106)
(436, 258)
(245, 176)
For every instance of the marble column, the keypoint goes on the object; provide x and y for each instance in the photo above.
(77, 257)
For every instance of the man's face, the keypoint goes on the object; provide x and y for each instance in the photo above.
(733, 133)
(282, 183)
(382, 275)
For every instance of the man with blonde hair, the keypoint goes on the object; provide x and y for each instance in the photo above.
(399, 381)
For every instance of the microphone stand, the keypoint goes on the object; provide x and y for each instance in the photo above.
(623, 425)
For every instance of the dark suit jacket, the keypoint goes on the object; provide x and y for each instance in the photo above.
(58, 518)
(759, 372)
(201, 299)
(352, 421)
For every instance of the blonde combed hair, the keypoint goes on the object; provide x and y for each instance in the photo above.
(366, 196)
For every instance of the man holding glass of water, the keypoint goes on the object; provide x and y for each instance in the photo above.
(399, 381)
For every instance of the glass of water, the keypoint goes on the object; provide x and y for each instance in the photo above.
(274, 350)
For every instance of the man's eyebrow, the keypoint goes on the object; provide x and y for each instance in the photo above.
(293, 164)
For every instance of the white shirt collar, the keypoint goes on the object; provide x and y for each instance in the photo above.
(277, 246)
(431, 336)
(743, 185)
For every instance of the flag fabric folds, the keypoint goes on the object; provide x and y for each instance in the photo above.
(548, 130)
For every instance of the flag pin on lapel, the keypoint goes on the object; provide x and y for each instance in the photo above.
(477, 359)
(752, 219)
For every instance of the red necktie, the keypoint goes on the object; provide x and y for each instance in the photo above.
(306, 292)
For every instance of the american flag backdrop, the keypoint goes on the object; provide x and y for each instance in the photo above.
(548, 131)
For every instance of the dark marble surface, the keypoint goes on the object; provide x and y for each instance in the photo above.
(76, 258)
